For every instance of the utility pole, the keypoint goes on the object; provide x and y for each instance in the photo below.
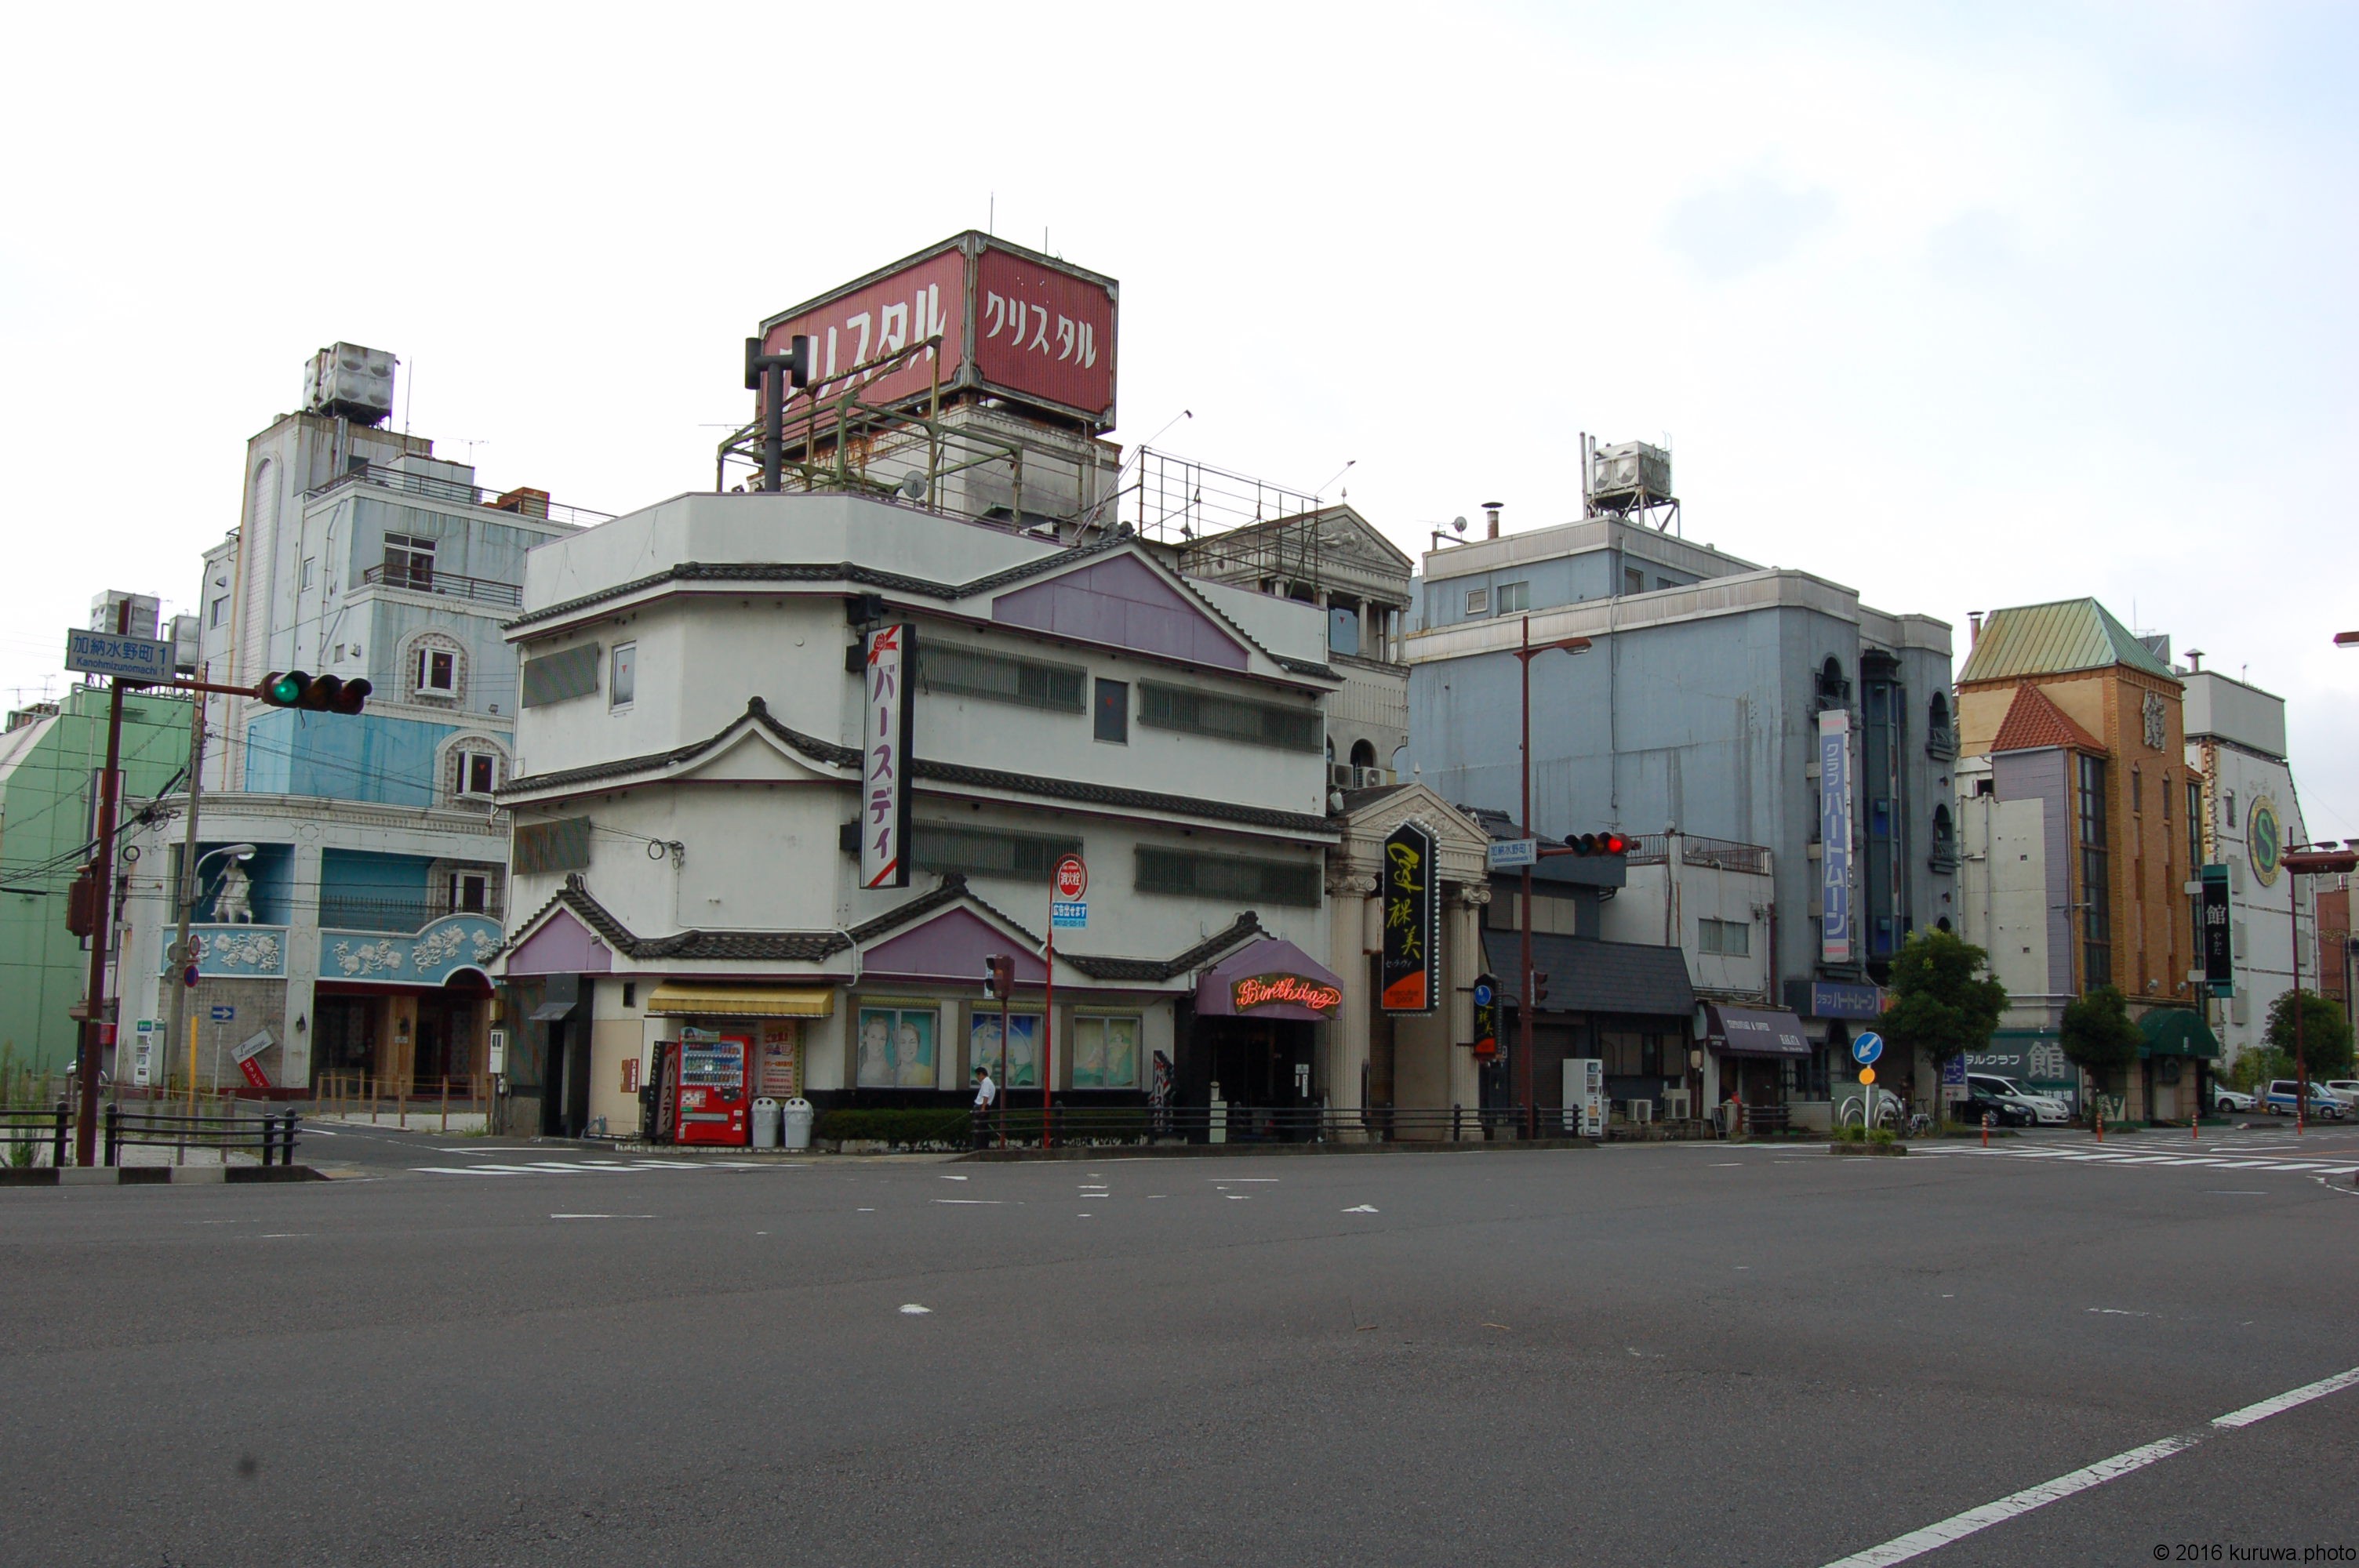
(184, 894)
(103, 925)
(1527, 1001)
(2312, 860)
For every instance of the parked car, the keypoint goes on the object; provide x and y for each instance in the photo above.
(2344, 1089)
(2045, 1110)
(2230, 1102)
(2008, 1112)
(2278, 1100)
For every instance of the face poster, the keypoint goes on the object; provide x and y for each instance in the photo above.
(777, 1060)
(1020, 1068)
(896, 1049)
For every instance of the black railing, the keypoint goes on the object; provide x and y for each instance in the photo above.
(25, 1129)
(24, 1132)
(449, 585)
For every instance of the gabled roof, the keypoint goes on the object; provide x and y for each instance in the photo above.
(2055, 639)
(752, 947)
(2034, 723)
(1244, 927)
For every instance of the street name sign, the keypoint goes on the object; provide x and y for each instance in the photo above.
(107, 653)
(1514, 854)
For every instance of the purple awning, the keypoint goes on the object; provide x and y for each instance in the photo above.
(1269, 978)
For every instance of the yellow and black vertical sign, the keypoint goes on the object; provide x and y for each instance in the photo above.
(1409, 970)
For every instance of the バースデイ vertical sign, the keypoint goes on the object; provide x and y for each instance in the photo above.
(1409, 969)
(1835, 936)
(885, 756)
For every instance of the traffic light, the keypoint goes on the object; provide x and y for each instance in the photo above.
(1539, 988)
(999, 976)
(1598, 844)
(316, 694)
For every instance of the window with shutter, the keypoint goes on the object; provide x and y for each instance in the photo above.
(562, 845)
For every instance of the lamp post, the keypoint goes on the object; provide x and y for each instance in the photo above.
(1525, 653)
(2306, 860)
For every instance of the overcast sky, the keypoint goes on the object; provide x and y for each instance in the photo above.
(1963, 306)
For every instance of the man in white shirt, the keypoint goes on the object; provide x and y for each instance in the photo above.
(986, 1094)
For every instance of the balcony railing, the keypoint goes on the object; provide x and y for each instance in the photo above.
(353, 912)
(449, 584)
(431, 487)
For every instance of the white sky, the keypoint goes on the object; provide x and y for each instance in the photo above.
(1962, 305)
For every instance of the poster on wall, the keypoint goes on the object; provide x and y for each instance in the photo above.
(1409, 968)
(779, 1060)
(1835, 934)
(1105, 1052)
(889, 658)
(1018, 1067)
(897, 1048)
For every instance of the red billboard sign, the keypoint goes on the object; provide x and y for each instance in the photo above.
(1012, 322)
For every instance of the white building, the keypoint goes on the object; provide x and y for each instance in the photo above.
(374, 890)
(689, 792)
(2236, 740)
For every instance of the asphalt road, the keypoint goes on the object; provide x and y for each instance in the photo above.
(1663, 1354)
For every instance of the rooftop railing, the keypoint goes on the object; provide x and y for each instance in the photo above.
(450, 585)
(433, 487)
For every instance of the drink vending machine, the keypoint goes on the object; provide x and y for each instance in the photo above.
(715, 1088)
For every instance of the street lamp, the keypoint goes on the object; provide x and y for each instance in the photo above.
(2307, 860)
(1527, 653)
(186, 896)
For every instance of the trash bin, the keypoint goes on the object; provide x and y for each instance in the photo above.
(797, 1113)
(765, 1123)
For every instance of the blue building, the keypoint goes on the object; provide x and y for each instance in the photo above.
(350, 870)
(1702, 707)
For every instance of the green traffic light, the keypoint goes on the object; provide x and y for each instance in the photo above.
(288, 690)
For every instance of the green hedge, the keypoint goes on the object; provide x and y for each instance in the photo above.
(904, 1129)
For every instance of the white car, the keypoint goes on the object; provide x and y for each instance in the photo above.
(2344, 1089)
(2226, 1102)
(2047, 1110)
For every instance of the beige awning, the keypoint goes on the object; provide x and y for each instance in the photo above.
(742, 1001)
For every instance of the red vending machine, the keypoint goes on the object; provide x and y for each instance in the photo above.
(715, 1088)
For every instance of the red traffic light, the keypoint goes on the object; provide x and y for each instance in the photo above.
(1598, 844)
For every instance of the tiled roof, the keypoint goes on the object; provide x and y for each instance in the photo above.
(757, 711)
(1247, 924)
(2034, 723)
(2054, 639)
(1585, 975)
(757, 946)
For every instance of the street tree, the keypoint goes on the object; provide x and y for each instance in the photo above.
(2099, 1038)
(1944, 1002)
(2325, 1033)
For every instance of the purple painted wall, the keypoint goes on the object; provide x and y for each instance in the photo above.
(1123, 604)
(952, 946)
(562, 945)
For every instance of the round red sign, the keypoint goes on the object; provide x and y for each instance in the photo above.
(1072, 877)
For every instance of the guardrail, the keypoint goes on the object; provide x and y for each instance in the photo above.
(27, 1133)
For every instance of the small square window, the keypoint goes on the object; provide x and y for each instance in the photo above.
(623, 676)
(1633, 580)
(1478, 601)
(220, 610)
(471, 892)
(1112, 711)
(479, 773)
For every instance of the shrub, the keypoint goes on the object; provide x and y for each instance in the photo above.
(1851, 1135)
(903, 1129)
(1883, 1135)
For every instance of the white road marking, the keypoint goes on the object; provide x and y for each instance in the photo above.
(954, 1178)
(962, 1203)
(610, 1217)
(1957, 1527)
(1237, 1197)
(1364, 1208)
(912, 1309)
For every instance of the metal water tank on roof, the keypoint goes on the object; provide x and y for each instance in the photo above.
(350, 380)
(1624, 472)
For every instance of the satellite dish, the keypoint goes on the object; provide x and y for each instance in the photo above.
(912, 486)
(1459, 524)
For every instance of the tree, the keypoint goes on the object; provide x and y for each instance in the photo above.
(2098, 1036)
(1943, 1002)
(2325, 1032)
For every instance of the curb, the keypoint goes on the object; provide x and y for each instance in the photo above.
(1861, 1149)
(1232, 1150)
(155, 1175)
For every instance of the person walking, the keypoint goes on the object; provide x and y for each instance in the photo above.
(986, 1094)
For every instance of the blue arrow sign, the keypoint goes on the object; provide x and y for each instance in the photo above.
(1867, 1048)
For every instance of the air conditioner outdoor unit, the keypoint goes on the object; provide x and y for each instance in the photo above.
(1674, 1105)
(1370, 778)
(1639, 1109)
(1339, 775)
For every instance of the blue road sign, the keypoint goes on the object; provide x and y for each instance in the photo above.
(1867, 1048)
(1068, 914)
(225, 1014)
(1483, 995)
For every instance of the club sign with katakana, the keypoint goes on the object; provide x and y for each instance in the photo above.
(1409, 969)
(890, 657)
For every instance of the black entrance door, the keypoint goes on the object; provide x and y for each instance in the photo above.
(565, 1096)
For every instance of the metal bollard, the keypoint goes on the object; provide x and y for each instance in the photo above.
(64, 1125)
(1987, 1127)
(115, 1134)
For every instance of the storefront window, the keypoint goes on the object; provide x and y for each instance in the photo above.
(1105, 1052)
(898, 1048)
(1019, 1066)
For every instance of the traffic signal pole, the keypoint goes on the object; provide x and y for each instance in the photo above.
(184, 895)
(102, 927)
(1526, 992)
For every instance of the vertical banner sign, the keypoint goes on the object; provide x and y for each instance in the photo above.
(1835, 936)
(885, 751)
(1409, 971)
(1486, 1017)
(2217, 934)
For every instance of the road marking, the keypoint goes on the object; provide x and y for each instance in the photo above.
(954, 1178)
(912, 1309)
(1364, 1208)
(962, 1203)
(1957, 1527)
(2236, 1193)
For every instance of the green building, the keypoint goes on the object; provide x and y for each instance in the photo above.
(50, 757)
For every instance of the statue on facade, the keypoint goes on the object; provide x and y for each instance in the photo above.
(232, 901)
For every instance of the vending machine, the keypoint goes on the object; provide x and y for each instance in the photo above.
(715, 1088)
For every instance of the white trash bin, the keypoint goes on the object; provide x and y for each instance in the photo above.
(797, 1117)
(765, 1123)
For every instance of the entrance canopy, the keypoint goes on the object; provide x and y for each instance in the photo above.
(1751, 1032)
(1269, 978)
(682, 1001)
(2176, 1032)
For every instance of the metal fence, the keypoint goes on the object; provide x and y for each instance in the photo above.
(29, 1133)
